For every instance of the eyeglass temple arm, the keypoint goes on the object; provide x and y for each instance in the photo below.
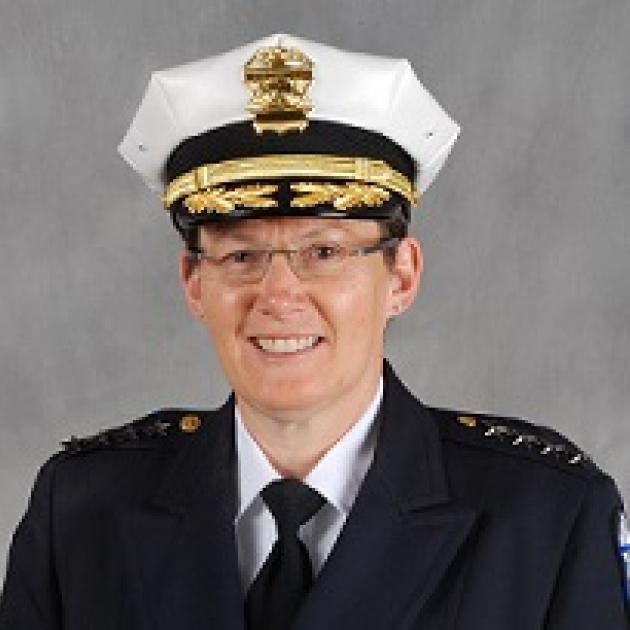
(385, 243)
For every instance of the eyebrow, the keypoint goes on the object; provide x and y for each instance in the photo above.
(236, 236)
(326, 229)
(241, 236)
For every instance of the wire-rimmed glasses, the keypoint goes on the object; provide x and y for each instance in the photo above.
(309, 262)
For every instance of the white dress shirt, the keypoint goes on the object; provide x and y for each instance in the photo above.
(337, 477)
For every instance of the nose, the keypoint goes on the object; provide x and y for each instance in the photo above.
(280, 291)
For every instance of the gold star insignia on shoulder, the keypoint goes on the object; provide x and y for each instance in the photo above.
(524, 436)
(132, 432)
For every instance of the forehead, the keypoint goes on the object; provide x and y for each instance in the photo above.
(290, 227)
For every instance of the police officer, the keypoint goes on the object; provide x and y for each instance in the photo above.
(322, 494)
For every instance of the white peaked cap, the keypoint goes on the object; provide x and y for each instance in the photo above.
(377, 93)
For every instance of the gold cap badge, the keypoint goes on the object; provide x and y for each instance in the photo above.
(279, 79)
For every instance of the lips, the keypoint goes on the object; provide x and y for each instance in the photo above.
(286, 345)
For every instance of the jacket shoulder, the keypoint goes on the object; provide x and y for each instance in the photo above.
(515, 437)
(151, 430)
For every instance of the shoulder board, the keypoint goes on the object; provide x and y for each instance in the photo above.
(515, 435)
(157, 424)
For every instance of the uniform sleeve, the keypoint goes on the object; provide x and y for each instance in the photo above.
(590, 593)
(30, 597)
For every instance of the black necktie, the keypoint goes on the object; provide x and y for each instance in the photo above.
(286, 576)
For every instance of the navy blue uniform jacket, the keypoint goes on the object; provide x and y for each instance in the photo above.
(458, 525)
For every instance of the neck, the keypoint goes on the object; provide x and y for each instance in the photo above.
(295, 441)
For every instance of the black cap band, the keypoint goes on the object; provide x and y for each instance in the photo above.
(323, 138)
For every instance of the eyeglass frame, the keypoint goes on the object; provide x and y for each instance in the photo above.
(196, 254)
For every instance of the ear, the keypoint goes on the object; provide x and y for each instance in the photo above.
(405, 276)
(191, 285)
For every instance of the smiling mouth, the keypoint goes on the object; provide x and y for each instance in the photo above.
(286, 345)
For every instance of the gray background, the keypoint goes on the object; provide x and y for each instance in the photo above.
(525, 300)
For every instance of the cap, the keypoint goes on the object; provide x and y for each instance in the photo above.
(286, 126)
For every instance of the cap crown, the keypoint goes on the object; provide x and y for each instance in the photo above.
(376, 93)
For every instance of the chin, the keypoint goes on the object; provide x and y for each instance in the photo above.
(291, 395)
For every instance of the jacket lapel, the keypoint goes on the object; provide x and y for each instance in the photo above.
(183, 541)
(400, 537)
(402, 533)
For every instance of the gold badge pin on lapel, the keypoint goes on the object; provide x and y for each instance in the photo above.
(189, 423)
(279, 79)
(467, 421)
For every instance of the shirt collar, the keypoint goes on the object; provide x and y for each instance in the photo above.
(338, 474)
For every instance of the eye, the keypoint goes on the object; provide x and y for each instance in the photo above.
(241, 256)
(324, 251)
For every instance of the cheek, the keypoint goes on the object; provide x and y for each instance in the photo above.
(223, 314)
(358, 310)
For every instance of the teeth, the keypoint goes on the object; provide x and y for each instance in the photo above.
(286, 345)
